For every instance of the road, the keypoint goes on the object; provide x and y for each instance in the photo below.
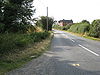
(68, 55)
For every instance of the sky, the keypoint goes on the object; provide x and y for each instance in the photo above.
(77, 10)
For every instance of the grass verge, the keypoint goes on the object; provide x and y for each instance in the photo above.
(92, 38)
(16, 60)
(81, 35)
(85, 36)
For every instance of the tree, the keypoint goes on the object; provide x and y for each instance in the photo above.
(95, 28)
(17, 15)
(1, 16)
(43, 22)
(85, 21)
(1, 5)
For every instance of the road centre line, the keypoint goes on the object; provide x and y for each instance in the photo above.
(72, 40)
(85, 48)
(88, 50)
(69, 38)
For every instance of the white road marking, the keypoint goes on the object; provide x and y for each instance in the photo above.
(68, 37)
(83, 46)
(88, 50)
(72, 40)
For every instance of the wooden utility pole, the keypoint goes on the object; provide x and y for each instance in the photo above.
(47, 18)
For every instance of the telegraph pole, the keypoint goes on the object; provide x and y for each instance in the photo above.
(47, 18)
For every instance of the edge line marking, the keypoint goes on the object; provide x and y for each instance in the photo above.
(88, 50)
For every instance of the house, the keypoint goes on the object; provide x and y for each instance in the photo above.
(65, 22)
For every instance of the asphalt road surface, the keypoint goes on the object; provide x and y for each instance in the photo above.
(68, 55)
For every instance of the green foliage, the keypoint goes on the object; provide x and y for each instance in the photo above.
(1, 27)
(66, 27)
(1, 12)
(43, 22)
(38, 36)
(16, 15)
(57, 27)
(80, 27)
(15, 60)
(62, 27)
(95, 29)
(85, 21)
(74, 28)
(1, 16)
(84, 27)
(10, 43)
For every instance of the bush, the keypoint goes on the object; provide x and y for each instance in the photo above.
(74, 28)
(1, 27)
(80, 28)
(10, 43)
(42, 22)
(84, 27)
(57, 27)
(38, 36)
(66, 27)
(95, 29)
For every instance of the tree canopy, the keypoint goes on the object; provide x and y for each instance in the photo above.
(85, 21)
(95, 28)
(16, 14)
(42, 22)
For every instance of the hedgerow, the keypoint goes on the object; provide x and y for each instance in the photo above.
(80, 28)
(10, 43)
(95, 29)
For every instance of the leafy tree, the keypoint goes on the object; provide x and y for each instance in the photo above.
(95, 28)
(1, 5)
(50, 23)
(43, 22)
(17, 15)
(81, 27)
(85, 21)
(1, 16)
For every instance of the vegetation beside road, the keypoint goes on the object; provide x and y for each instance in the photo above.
(23, 49)
(84, 28)
(17, 48)
(19, 38)
(85, 36)
(42, 22)
(61, 27)
(11, 43)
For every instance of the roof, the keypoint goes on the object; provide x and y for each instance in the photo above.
(66, 21)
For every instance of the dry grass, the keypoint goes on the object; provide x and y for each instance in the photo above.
(84, 35)
(16, 60)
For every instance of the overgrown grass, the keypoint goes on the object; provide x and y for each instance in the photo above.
(21, 48)
(92, 38)
(85, 36)
(10, 43)
(79, 28)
